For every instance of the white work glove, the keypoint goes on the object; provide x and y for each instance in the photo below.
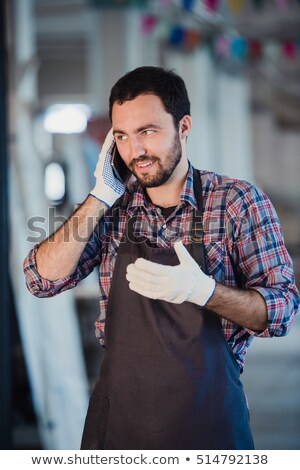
(108, 188)
(176, 284)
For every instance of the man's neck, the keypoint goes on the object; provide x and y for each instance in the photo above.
(168, 195)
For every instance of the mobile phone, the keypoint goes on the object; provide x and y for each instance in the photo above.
(121, 172)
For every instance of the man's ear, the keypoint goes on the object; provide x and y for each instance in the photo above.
(185, 126)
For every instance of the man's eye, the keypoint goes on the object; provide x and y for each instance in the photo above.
(148, 132)
(121, 137)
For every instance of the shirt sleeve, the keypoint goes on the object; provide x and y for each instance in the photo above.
(260, 258)
(41, 287)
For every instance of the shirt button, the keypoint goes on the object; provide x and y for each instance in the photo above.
(164, 226)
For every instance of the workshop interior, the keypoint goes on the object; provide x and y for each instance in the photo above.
(240, 60)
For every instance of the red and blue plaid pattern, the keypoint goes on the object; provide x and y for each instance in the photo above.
(243, 243)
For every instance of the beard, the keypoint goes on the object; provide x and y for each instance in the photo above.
(164, 172)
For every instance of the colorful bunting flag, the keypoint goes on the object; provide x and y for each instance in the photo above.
(176, 37)
(236, 6)
(148, 24)
(212, 5)
(192, 39)
(282, 4)
(222, 46)
(289, 49)
(239, 48)
(188, 4)
(255, 49)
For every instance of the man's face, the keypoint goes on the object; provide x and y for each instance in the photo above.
(147, 139)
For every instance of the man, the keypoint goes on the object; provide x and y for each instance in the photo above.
(192, 267)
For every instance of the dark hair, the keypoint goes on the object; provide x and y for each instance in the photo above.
(165, 84)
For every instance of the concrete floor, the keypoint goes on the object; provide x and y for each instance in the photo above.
(272, 383)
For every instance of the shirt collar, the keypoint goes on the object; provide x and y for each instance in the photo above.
(187, 194)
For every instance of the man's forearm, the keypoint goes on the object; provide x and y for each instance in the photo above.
(58, 256)
(244, 307)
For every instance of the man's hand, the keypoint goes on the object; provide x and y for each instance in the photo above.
(176, 284)
(108, 188)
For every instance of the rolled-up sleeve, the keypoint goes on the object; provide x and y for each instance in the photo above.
(41, 287)
(262, 260)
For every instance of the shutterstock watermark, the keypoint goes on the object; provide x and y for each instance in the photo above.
(140, 229)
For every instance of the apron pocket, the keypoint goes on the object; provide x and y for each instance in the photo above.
(95, 424)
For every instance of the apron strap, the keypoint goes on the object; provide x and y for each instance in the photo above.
(197, 226)
(197, 229)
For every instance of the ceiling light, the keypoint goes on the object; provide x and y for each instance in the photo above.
(66, 118)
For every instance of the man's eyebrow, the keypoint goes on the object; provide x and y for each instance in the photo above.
(142, 128)
(147, 126)
(116, 131)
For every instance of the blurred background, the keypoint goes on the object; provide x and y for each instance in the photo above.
(240, 60)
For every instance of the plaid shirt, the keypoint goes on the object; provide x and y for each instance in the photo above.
(243, 244)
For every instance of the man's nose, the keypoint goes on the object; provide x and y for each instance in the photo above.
(137, 148)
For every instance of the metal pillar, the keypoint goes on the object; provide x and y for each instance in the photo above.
(5, 337)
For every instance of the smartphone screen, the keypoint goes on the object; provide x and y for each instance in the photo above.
(119, 168)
